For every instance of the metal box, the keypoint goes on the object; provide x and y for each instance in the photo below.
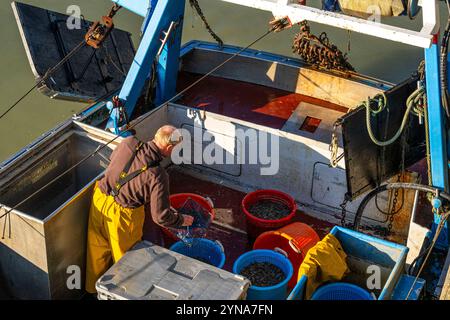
(150, 272)
(364, 253)
(43, 241)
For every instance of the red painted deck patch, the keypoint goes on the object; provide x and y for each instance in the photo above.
(245, 101)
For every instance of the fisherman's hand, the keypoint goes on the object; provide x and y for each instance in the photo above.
(187, 220)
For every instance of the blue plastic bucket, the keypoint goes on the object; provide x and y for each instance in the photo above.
(341, 291)
(276, 292)
(211, 252)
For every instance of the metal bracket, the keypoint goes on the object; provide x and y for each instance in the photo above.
(167, 34)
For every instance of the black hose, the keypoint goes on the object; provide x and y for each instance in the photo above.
(443, 69)
(392, 186)
(416, 259)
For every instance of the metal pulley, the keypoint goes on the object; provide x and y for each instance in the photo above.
(98, 32)
(281, 24)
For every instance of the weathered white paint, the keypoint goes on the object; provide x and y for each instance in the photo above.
(303, 164)
(302, 80)
(323, 132)
(297, 13)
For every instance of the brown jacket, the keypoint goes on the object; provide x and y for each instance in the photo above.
(150, 188)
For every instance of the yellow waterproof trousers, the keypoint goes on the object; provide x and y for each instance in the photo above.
(112, 231)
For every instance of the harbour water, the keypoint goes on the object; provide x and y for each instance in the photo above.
(234, 24)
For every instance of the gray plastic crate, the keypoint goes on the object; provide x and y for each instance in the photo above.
(150, 272)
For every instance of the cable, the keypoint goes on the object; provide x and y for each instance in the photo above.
(137, 122)
(388, 214)
(46, 75)
(108, 56)
(411, 186)
(392, 186)
(115, 8)
(411, 266)
(411, 106)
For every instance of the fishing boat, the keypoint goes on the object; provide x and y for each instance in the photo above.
(377, 166)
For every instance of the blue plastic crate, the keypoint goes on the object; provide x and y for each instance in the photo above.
(363, 251)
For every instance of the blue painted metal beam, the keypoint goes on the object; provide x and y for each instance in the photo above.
(150, 10)
(163, 13)
(168, 63)
(436, 120)
(437, 131)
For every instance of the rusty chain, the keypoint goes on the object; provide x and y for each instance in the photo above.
(319, 51)
(393, 209)
(343, 206)
(400, 177)
(195, 5)
(334, 146)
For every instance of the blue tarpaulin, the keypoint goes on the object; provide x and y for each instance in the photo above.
(331, 5)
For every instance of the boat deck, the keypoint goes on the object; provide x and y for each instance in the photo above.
(230, 220)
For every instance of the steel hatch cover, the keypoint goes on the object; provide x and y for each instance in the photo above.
(368, 165)
(89, 74)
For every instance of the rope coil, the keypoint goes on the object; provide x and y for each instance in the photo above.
(414, 104)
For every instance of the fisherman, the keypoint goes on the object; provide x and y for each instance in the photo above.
(134, 181)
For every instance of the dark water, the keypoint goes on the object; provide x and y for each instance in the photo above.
(235, 24)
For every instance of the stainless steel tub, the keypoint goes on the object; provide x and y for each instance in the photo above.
(43, 241)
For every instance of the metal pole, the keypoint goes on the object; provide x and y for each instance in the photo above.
(164, 13)
(437, 131)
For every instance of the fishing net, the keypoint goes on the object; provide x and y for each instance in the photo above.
(202, 221)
